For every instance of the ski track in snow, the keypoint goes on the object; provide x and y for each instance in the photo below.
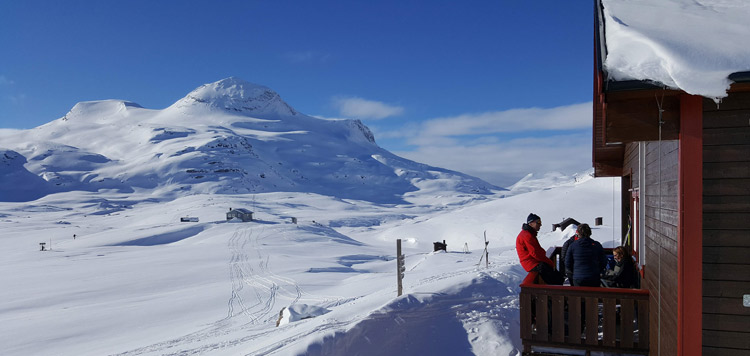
(251, 280)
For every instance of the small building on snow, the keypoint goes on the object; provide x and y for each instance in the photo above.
(242, 214)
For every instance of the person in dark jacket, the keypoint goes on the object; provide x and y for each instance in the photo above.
(624, 275)
(565, 246)
(532, 255)
(585, 257)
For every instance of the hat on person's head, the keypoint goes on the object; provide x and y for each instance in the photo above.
(584, 230)
(532, 217)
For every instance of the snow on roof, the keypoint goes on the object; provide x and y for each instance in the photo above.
(691, 45)
(242, 210)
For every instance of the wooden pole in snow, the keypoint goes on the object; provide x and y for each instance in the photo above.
(400, 268)
(486, 251)
(485, 254)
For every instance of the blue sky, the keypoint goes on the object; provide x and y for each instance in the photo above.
(495, 89)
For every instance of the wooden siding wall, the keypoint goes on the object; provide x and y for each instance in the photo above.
(661, 221)
(726, 225)
(660, 231)
(630, 164)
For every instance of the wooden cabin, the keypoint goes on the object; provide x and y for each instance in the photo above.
(241, 214)
(684, 161)
(685, 168)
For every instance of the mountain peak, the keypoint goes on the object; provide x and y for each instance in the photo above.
(235, 94)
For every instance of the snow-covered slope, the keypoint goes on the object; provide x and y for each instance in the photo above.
(137, 281)
(226, 137)
(16, 182)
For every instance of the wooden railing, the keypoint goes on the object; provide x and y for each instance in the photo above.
(586, 318)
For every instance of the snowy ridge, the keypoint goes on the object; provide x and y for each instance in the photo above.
(234, 94)
(227, 137)
(552, 179)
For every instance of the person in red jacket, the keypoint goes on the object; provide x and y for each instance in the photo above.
(532, 255)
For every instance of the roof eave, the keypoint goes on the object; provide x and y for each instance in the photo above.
(629, 85)
(740, 77)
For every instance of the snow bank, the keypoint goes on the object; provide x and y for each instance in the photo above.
(299, 312)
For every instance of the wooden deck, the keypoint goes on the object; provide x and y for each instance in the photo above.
(583, 318)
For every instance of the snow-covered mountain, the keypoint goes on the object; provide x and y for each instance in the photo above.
(226, 137)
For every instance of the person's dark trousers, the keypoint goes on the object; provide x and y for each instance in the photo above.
(549, 275)
(587, 283)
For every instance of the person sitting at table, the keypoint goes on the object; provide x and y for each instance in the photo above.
(585, 257)
(564, 251)
(624, 275)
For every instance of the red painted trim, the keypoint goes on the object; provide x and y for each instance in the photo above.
(642, 270)
(690, 229)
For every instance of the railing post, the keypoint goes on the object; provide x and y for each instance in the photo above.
(542, 326)
(592, 320)
(626, 322)
(558, 318)
(525, 304)
(609, 320)
(643, 324)
(574, 320)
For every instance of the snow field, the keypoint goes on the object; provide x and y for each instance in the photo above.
(136, 281)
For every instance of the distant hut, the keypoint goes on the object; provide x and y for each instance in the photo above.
(565, 223)
(242, 214)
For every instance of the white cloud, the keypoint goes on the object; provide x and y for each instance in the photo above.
(478, 144)
(570, 117)
(504, 163)
(329, 118)
(516, 120)
(500, 147)
(365, 109)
